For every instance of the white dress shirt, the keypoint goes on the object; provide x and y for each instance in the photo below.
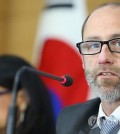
(115, 113)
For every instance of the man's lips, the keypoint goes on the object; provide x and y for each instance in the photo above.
(106, 73)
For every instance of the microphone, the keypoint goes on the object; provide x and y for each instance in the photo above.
(65, 80)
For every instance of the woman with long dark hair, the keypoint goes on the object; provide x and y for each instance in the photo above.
(35, 113)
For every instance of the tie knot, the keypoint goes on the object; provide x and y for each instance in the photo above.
(110, 125)
(112, 120)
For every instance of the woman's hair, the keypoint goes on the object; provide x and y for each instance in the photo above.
(9, 65)
(39, 113)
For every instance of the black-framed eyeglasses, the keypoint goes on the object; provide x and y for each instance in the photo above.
(94, 47)
(5, 91)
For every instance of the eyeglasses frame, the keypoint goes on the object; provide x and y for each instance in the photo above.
(102, 43)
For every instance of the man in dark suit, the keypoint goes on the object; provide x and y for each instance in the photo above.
(100, 50)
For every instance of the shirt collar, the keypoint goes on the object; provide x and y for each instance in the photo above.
(100, 115)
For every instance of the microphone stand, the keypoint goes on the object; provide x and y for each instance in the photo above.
(11, 124)
(12, 113)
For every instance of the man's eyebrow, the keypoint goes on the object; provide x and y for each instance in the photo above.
(92, 38)
(97, 38)
(116, 35)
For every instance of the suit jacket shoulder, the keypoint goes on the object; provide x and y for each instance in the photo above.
(79, 118)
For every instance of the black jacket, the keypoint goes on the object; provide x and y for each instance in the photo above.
(79, 119)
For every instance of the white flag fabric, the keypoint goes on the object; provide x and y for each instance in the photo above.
(55, 49)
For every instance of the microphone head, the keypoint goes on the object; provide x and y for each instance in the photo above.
(67, 80)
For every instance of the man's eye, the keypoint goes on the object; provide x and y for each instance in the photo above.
(115, 43)
(95, 45)
(118, 44)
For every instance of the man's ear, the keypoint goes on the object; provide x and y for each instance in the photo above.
(22, 100)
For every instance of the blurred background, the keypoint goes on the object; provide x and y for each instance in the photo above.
(19, 22)
(44, 32)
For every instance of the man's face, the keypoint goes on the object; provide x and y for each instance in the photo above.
(103, 69)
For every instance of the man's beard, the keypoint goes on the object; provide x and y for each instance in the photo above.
(107, 89)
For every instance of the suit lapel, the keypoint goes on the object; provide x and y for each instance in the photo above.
(92, 131)
(95, 131)
(89, 119)
(92, 122)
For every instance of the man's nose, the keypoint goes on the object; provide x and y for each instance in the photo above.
(105, 56)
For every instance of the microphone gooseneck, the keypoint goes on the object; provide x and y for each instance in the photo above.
(64, 80)
(11, 123)
(12, 113)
